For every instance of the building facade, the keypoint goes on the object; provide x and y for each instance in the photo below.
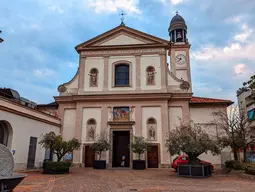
(125, 87)
(21, 128)
(246, 104)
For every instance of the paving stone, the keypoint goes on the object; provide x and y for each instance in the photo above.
(150, 180)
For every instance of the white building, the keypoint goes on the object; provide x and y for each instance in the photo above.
(21, 129)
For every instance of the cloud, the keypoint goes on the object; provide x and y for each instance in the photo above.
(240, 69)
(35, 26)
(176, 2)
(72, 64)
(41, 73)
(229, 52)
(234, 19)
(243, 36)
(56, 9)
(112, 6)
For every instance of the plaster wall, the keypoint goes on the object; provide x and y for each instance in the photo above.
(22, 129)
(69, 124)
(123, 40)
(90, 63)
(91, 113)
(146, 61)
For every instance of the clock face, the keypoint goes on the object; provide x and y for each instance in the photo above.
(180, 59)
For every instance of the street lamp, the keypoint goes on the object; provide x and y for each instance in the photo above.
(1, 40)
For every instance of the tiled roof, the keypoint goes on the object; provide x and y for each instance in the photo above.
(204, 100)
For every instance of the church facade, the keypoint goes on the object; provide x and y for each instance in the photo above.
(124, 87)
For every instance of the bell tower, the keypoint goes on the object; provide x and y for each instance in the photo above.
(179, 49)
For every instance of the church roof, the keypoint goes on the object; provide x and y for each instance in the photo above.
(177, 22)
(122, 29)
(204, 100)
(177, 19)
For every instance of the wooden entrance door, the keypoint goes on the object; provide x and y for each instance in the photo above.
(121, 141)
(152, 156)
(31, 153)
(89, 156)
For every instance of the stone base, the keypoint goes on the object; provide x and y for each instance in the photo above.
(167, 166)
(78, 165)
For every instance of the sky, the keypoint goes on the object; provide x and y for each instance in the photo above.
(39, 36)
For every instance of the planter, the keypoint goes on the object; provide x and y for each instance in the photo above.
(194, 170)
(99, 164)
(9, 183)
(139, 164)
(56, 167)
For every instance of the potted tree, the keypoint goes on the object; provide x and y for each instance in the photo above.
(139, 146)
(193, 141)
(59, 147)
(102, 144)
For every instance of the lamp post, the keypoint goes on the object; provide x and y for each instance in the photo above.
(1, 40)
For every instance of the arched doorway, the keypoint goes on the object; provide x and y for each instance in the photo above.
(5, 133)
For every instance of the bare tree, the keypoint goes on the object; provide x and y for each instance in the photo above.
(227, 125)
(236, 130)
(245, 137)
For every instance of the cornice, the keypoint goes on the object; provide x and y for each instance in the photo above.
(124, 97)
(29, 116)
(123, 51)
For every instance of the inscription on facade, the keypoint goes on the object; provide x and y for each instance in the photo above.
(131, 51)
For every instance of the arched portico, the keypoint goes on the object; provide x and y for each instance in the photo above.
(5, 133)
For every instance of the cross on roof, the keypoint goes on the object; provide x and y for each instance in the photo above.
(176, 12)
(122, 17)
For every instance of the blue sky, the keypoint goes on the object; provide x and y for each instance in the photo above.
(39, 36)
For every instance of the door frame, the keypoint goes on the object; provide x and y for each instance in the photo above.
(121, 128)
(159, 157)
(129, 144)
(30, 139)
(84, 152)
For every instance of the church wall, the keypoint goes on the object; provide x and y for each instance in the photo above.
(69, 123)
(175, 116)
(154, 112)
(203, 116)
(182, 74)
(171, 81)
(113, 59)
(91, 113)
(122, 40)
(90, 63)
(146, 61)
(73, 84)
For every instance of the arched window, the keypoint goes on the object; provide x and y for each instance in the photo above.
(5, 133)
(152, 128)
(91, 128)
(122, 75)
(93, 80)
(150, 75)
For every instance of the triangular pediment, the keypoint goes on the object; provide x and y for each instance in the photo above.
(122, 35)
(123, 39)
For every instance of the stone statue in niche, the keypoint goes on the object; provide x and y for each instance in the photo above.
(152, 134)
(150, 75)
(93, 79)
(150, 78)
(91, 134)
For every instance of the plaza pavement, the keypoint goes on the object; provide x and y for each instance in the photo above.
(150, 180)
